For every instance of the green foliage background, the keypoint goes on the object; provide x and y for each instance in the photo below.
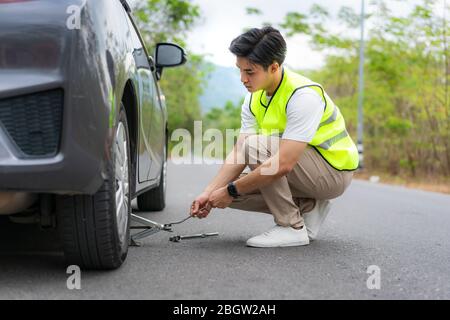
(406, 97)
(170, 21)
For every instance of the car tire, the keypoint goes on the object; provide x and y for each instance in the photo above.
(95, 229)
(155, 199)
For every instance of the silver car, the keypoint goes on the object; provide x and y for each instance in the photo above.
(83, 122)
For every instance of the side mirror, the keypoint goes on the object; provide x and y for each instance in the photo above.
(168, 55)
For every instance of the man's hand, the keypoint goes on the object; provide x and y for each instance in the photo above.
(229, 171)
(220, 198)
(200, 207)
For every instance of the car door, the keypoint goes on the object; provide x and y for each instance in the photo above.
(146, 96)
(157, 132)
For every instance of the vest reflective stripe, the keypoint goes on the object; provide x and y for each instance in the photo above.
(331, 139)
(330, 119)
(326, 145)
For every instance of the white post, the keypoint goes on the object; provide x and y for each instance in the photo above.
(361, 90)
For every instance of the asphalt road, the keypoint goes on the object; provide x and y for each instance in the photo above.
(405, 233)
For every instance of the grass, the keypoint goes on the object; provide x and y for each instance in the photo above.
(434, 184)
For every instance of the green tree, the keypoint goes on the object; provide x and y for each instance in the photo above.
(407, 82)
(223, 119)
(170, 21)
(165, 20)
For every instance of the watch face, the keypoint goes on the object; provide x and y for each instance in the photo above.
(232, 190)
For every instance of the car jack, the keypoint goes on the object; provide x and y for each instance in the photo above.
(151, 227)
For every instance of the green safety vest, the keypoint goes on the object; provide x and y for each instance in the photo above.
(331, 140)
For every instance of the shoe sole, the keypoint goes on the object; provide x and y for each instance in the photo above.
(294, 244)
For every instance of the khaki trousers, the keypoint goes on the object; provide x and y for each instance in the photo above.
(295, 194)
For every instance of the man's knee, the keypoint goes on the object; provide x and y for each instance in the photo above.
(251, 150)
(258, 148)
(250, 143)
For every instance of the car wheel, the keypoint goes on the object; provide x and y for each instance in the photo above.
(95, 229)
(155, 199)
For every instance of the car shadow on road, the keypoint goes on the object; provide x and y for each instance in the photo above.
(27, 246)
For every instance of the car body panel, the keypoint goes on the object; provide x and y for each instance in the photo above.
(92, 65)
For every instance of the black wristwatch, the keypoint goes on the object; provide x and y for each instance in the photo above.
(232, 191)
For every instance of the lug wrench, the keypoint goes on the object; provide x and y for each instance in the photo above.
(152, 227)
(192, 236)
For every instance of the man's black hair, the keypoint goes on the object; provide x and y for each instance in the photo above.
(260, 46)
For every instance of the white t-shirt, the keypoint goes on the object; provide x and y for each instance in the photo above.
(304, 112)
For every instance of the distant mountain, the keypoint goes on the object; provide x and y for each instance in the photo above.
(223, 84)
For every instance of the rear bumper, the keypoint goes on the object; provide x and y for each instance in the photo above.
(39, 53)
(75, 167)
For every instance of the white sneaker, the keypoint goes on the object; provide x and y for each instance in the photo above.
(279, 236)
(315, 218)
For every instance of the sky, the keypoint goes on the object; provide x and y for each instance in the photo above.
(223, 20)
